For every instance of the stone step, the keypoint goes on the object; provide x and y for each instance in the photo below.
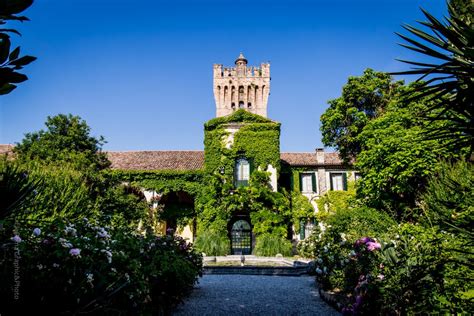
(255, 270)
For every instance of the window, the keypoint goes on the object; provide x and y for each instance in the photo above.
(242, 172)
(241, 105)
(338, 181)
(308, 182)
(357, 176)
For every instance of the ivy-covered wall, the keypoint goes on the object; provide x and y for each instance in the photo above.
(257, 140)
(162, 181)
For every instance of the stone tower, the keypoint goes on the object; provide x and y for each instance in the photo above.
(241, 87)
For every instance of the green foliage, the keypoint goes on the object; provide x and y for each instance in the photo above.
(87, 268)
(336, 201)
(219, 199)
(269, 211)
(422, 274)
(449, 197)
(270, 245)
(363, 99)
(396, 162)
(302, 209)
(255, 133)
(450, 75)
(16, 188)
(342, 229)
(162, 181)
(10, 61)
(66, 139)
(212, 243)
(463, 9)
(239, 116)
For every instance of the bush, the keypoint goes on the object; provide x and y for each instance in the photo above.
(87, 268)
(331, 247)
(212, 243)
(449, 196)
(270, 245)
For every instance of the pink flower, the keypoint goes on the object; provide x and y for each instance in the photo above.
(75, 252)
(371, 246)
(16, 238)
(363, 240)
(381, 276)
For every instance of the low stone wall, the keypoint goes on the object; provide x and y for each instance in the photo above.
(254, 270)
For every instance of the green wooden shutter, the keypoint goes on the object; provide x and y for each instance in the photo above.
(301, 181)
(313, 180)
(251, 166)
(302, 229)
(344, 181)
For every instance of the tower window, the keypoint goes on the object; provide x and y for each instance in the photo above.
(241, 105)
(233, 106)
(249, 105)
(242, 172)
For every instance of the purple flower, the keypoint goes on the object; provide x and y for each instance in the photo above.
(16, 238)
(371, 246)
(363, 240)
(75, 252)
(36, 231)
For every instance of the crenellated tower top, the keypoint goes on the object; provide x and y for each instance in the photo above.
(241, 87)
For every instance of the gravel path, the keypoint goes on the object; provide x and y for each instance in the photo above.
(255, 295)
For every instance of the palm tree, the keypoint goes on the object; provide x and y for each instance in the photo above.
(450, 81)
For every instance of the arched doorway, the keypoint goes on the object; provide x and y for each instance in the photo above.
(241, 237)
(177, 206)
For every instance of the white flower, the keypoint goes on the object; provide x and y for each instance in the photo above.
(108, 254)
(75, 252)
(102, 233)
(55, 265)
(36, 231)
(319, 271)
(90, 279)
(113, 270)
(127, 277)
(39, 266)
(70, 230)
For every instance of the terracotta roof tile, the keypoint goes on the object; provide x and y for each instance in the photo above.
(299, 159)
(191, 159)
(310, 159)
(157, 160)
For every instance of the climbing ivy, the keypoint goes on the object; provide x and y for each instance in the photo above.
(258, 140)
(162, 181)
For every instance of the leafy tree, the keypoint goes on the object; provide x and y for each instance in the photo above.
(363, 98)
(464, 9)
(451, 77)
(10, 62)
(395, 161)
(66, 139)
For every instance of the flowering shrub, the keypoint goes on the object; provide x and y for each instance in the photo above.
(408, 269)
(88, 268)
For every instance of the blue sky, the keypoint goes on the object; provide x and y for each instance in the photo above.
(140, 72)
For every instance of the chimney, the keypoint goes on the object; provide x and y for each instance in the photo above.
(320, 156)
